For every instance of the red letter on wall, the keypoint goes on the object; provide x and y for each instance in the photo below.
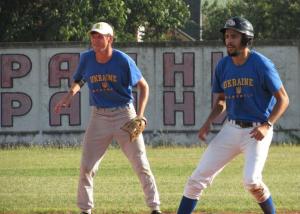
(187, 68)
(13, 104)
(62, 66)
(13, 66)
(216, 56)
(73, 112)
(187, 107)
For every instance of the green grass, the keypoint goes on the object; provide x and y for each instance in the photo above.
(44, 180)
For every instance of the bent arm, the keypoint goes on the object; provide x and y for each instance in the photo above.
(143, 88)
(282, 102)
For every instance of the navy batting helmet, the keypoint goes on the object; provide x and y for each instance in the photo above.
(239, 24)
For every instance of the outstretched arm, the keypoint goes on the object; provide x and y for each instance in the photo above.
(65, 101)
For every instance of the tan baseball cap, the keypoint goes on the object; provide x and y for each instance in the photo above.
(103, 28)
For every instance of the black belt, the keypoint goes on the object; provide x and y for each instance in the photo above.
(244, 124)
(114, 108)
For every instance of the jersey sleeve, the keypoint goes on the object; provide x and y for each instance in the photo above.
(78, 75)
(217, 85)
(271, 77)
(134, 72)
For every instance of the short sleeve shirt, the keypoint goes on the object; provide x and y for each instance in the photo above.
(248, 88)
(110, 84)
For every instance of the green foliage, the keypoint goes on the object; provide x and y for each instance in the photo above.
(69, 20)
(41, 20)
(161, 16)
(271, 19)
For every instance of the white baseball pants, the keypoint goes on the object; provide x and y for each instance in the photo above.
(227, 144)
(104, 126)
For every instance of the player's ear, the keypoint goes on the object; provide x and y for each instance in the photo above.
(111, 39)
(246, 41)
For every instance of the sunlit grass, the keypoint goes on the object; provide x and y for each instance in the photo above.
(44, 180)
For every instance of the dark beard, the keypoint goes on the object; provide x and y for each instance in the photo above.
(233, 54)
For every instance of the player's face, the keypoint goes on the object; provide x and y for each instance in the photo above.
(233, 42)
(100, 42)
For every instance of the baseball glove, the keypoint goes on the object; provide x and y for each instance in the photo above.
(135, 127)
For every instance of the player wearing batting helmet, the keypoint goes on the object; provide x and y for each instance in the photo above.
(110, 75)
(249, 89)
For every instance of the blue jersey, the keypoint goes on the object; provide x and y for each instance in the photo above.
(110, 84)
(248, 88)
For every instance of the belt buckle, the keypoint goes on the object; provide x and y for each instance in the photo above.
(114, 109)
(118, 108)
(244, 124)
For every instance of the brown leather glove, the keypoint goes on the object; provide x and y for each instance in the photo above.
(135, 127)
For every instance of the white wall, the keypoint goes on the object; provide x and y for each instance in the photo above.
(32, 76)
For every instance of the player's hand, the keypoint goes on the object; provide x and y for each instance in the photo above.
(259, 132)
(63, 103)
(203, 131)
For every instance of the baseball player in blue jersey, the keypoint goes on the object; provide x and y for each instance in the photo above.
(248, 87)
(110, 75)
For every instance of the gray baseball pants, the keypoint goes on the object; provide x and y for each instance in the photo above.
(104, 126)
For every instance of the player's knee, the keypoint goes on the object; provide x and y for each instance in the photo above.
(87, 171)
(251, 182)
(193, 189)
(140, 163)
(142, 168)
(259, 190)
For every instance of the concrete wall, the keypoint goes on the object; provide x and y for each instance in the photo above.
(34, 76)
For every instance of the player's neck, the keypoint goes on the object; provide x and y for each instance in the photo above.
(104, 56)
(242, 57)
